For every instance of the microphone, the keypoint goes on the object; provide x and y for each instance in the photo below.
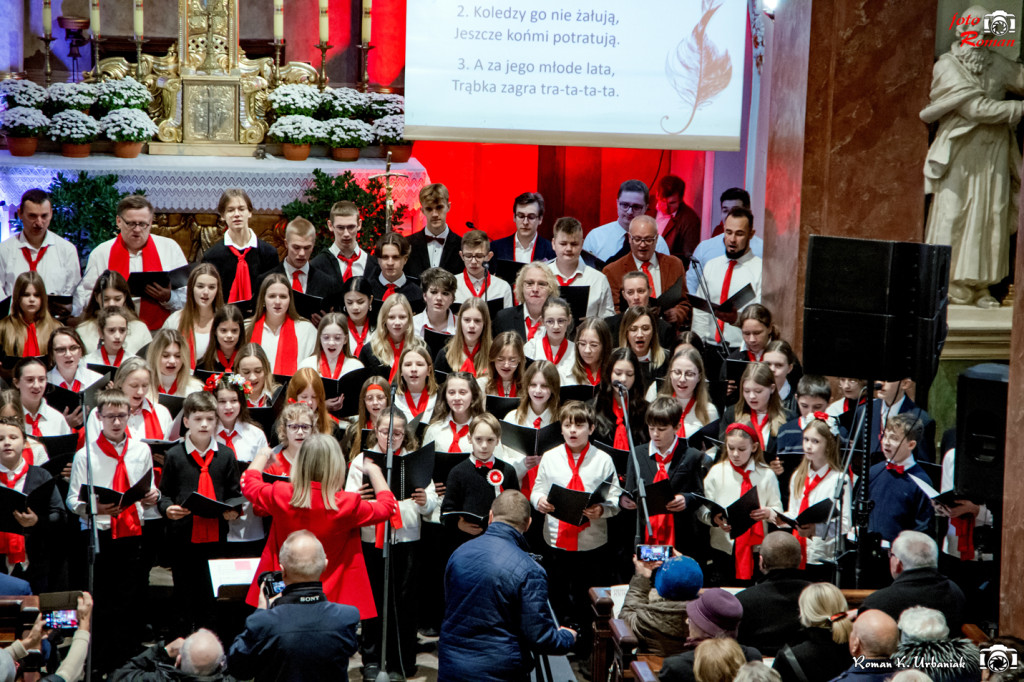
(619, 386)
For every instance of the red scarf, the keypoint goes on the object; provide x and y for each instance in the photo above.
(153, 429)
(287, 357)
(753, 356)
(170, 391)
(12, 544)
(241, 287)
(469, 364)
(568, 282)
(34, 423)
(205, 530)
(347, 275)
(511, 392)
(621, 439)
(744, 544)
(483, 286)
(457, 434)
(569, 535)
(396, 355)
(682, 420)
(33, 264)
(151, 312)
(416, 409)
(964, 526)
(562, 347)
(229, 439)
(75, 387)
(531, 475)
(127, 523)
(325, 366)
(31, 349)
(593, 378)
(759, 426)
(663, 526)
(531, 329)
(106, 358)
(227, 363)
(359, 338)
(396, 520)
(811, 484)
(190, 338)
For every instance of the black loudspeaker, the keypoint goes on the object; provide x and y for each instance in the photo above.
(874, 309)
(981, 403)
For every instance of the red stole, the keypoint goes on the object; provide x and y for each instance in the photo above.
(13, 544)
(469, 364)
(682, 420)
(325, 366)
(811, 483)
(227, 363)
(116, 362)
(568, 537)
(241, 286)
(31, 349)
(127, 523)
(621, 439)
(287, 357)
(205, 530)
(151, 312)
(457, 434)
(556, 357)
(663, 526)
(744, 544)
(360, 338)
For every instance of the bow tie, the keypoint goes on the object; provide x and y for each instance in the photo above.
(895, 467)
(484, 465)
(436, 240)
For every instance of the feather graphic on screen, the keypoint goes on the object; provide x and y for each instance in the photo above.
(697, 69)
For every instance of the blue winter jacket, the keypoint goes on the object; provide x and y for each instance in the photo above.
(497, 613)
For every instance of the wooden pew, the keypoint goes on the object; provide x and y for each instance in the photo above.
(601, 605)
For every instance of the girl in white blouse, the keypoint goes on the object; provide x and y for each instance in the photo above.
(113, 325)
(40, 419)
(687, 383)
(417, 387)
(332, 358)
(553, 344)
(204, 296)
(169, 359)
(538, 407)
(285, 336)
(252, 363)
(505, 372)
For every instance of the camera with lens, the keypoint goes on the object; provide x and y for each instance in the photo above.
(999, 23)
(998, 658)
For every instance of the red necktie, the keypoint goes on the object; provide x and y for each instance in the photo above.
(682, 420)
(621, 440)
(744, 544)
(663, 526)
(75, 387)
(226, 363)
(31, 349)
(296, 282)
(12, 544)
(569, 535)
(416, 409)
(229, 439)
(34, 423)
(556, 357)
(347, 275)
(33, 264)
(390, 289)
(531, 329)
(758, 426)
(396, 355)
(241, 287)
(360, 339)
(753, 356)
(593, 377)
(489, 464)
(646, 267)
(469, 365)
(964, 526)
(106, 358)
(726, 283)
(895, 468)
(126, 524)
(457, 434)
(811, 484)
(537, 422)
(469, 284)
(205, 530)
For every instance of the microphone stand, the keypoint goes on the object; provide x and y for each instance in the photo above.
(640, 485)
(719, 325)
(837, 495)
(861, 504)
(93, 542)
(382, 676)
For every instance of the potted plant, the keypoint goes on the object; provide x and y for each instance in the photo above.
(123, 93)
(295, 98)
(64, 96)
(128, 128)
(382, 104)
(75, 131)
(389, 132)
(344, 103)
(346, 136)
(296, 134)
(22, 93)
(22, 127)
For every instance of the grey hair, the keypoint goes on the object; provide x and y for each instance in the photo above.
(757, 671)
(297, 563)
(911, 675)
(921, 624)
(211, 649)
(915, 550)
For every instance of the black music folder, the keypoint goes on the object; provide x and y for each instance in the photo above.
(737, 514)
(570, 504)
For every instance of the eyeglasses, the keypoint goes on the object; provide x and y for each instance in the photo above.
(141, 225)
(635, 208)
(66, 350)
(689, 376)
(527, 217)
(643, 240)
(299, 428)
(501, 362)
(119, 417)
(474, 256)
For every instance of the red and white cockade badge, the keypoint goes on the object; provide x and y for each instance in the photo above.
(495, 477)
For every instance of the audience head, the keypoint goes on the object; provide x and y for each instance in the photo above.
(819, 602)
(738, 229)
(632, 201)
(302, 558)
(757, 671)
(715, 613)
(780, 550)
(201, 654)
(718, 660)
(912, 549)
(669, 190)
(734, 197)
(679, 579)
(511, 507)
(643, 237)
(874, 635)
(921, 624)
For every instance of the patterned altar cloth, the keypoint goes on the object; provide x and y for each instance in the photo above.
(193, 184)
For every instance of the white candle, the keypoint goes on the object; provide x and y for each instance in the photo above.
(94, 17)
(47, 18)
(278, 20)
(323, 22)
(367, 5)
(138, 19)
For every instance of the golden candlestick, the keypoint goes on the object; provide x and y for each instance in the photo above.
(138, 57)
(276, 70)
(97, 74)
(47, 68)
(364, 66)
(323, 47)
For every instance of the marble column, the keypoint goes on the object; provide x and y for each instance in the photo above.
(846, 147)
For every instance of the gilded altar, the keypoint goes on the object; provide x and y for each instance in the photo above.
(208, 97)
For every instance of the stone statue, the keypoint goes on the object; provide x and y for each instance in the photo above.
(973, 166)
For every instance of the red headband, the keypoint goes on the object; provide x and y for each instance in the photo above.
(375, 386)
(745, 428)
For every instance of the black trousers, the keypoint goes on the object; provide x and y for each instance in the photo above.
(403, 605)
(117, 624)
(436, 546)
(570, 577)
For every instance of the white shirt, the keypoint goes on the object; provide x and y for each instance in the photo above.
(347, 365)
(412, 513)
(434, 249)
(200, 339)
(137, 421)
(138, 336)
(886, 410)
(58, 267)
(420, 322)
(599, 300)
(305, 336)
(534, 349)
(248, 440)
(440, 434)
(520, 253)
(251, 243)
(514, 457)
(723, 484)
(606, 240)
(713, 248)
(746, 271)
(597, 468)
(171, 258)
(951, 543)
(821, 547)
(655, 270)
(496, 289)
(96, 357)
(86, 376)
(358, 265)
(137, 461)
(402, 405)
(51, 422)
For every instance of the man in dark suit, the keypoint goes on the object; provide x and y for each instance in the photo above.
(436, 245)
(771, 616)
(299, 239)
(913, 564)
(300, 635)
(637, 291)
(525, 245)
(678, 224)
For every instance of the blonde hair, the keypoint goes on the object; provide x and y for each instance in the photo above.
(718, 660)
(456, 346)
(379, 338)
(308, 377)
(163, 339)
(799, 478)
(700, 391)
(291, 412)
(319, 461)
(549, 277)
(760, 373)
(818, 603)
(136, 364)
